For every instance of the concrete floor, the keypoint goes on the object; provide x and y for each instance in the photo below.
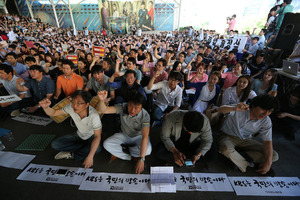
(288, 165)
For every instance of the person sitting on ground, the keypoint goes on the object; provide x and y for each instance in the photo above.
(86, 142)
(185, 135)
(230, 60)
(69, 82)
(41, 87)
(131, 65)
(83, 70)
(288, 116)
(12, 61)
(239, 92)
(29, 61)
(207, 93)
(9, 81)
(199, 75)
(251, 51)
(135, 127)
(160, 66)
(122, 88)
(231, 77)
(99, 82)
(170, 96)
(107, 66)
(257, 66)
(238, 128)
(267, 84)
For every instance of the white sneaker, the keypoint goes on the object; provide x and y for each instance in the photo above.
(64, 155)
(15, 113)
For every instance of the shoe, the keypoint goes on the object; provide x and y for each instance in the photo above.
(64, 155)
(15, 113)
(112, 158)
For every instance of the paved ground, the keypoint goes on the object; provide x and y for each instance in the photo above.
(12, 189)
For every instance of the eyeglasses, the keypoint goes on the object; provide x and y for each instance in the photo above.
(77, 103)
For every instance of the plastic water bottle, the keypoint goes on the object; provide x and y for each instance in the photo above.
(1, 146)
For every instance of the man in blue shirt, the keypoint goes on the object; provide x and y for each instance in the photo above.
(253, 47)
(41, 86)
(125, 86)
(12, 61)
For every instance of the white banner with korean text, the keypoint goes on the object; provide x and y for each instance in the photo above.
(237, 43)
(266, 186)
(54, 174)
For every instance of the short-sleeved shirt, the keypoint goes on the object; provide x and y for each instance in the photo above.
(20, 68)
(166, 97)
(42, 88)
(87, 125)
(197, 80)
(230, 79)
(238, 124)
(138, 73)
(96, 86)
(230, 96)
(163, 75)
(132, 126)
(11, 86)
(69, 86)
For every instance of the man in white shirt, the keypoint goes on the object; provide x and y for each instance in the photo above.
(239, 127)
(170, 96)
(86, 142)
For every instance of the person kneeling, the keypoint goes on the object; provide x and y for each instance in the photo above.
(135, 126)
(84, 144)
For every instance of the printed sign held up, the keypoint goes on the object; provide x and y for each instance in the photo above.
(10, 98)
(73, 58)
(98, 51)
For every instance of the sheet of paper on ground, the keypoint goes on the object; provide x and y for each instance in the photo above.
(54, 174)
(15, 160)
(31, 119)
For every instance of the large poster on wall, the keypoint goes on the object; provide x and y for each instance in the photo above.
(139, 14)
(94, 14)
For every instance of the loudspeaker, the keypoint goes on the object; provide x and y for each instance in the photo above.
(289, 32)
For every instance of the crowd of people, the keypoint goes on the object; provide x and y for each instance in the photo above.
(176, 81)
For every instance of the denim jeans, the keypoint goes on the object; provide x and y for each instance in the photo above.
(73, 143)
(10, 108)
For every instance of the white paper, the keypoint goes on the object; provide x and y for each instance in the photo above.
(9, 98)
(202, 182)
(190, 91)
(15, 160)
(266, 186)
(162, 179)
(138, 183)
(48, 174)
(31, 119)
(238, 43)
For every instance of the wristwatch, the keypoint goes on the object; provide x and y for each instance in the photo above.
(142, 159)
